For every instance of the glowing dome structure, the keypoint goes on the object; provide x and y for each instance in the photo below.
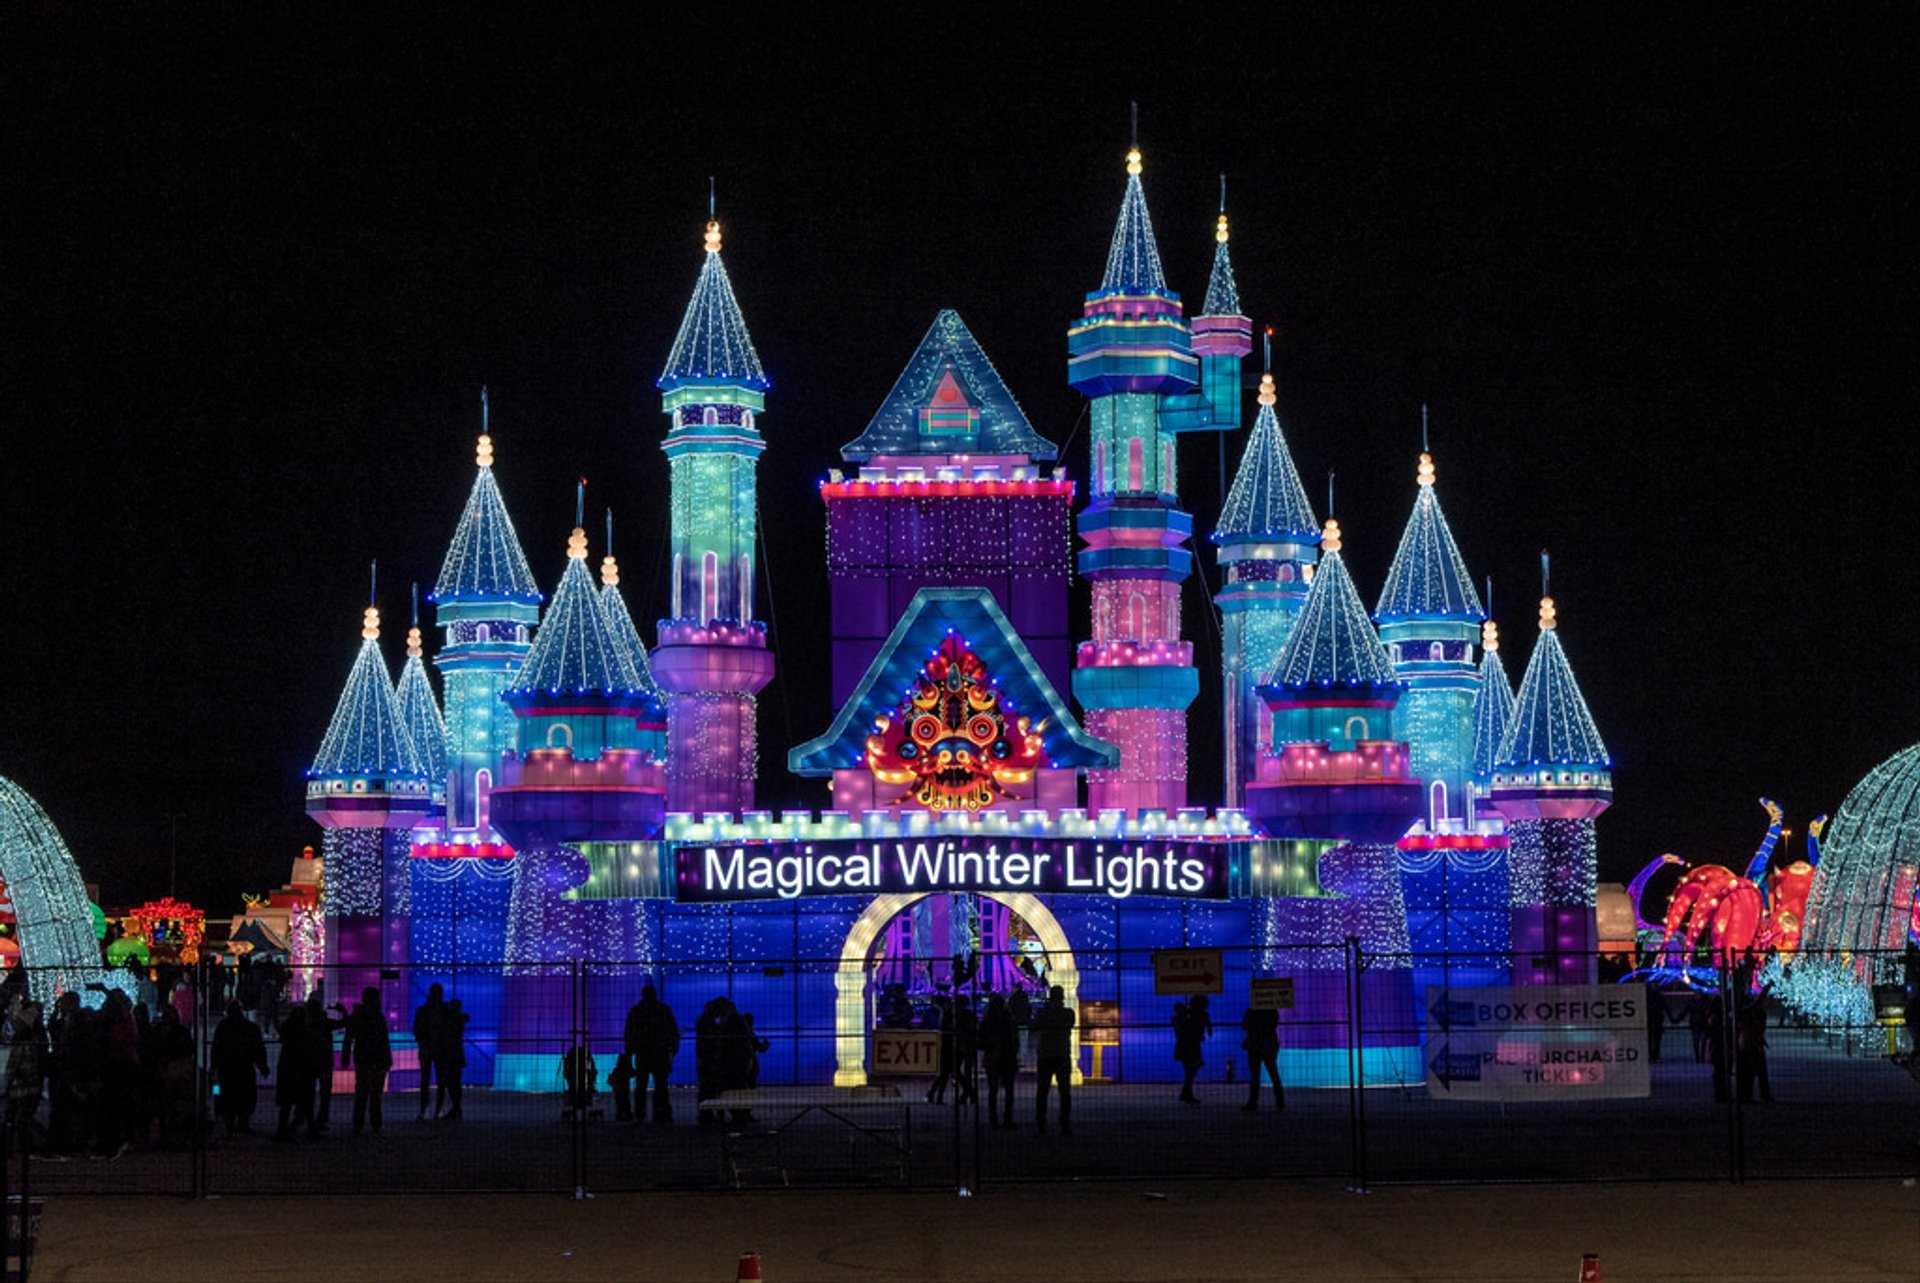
(1863, 907)
(54, 919)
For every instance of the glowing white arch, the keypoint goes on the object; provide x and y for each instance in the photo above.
(50, 907)
(850, 981)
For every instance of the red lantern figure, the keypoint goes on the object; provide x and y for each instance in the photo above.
(950, 741)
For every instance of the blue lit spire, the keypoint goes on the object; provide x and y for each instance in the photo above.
(1223, 296)
(485, 560)
(1267, 498)
(620, 625)
(1550, 724)
(574, 651)
(368, 736)
(989, 420)
(1333, 643)
(712, 346)
(1133, 260)
(419, 710)
(1492, 703)
(1428, 578)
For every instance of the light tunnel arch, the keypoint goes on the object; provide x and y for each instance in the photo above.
(51, 913)
(850, 979)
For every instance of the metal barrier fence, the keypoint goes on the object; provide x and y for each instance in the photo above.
(1394, 1068)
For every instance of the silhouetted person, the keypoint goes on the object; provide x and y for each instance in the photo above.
(943, 1021)
(1053, 1031)
(652, 1040)
(1719, 1051)
(427, 1018)
(966, 1049)
(320, 1026)
(1192, 1023)
(1656, 1023)
(1262, 1041)
(450, 1058)
(756, 1045)
(1750, 1047)
(1020, 1007)
(117, 1104)
(1000, 1057)
(710, 1056)
(293, 1077)
(366, 1048)
(1700, 1023)
(239, 1063)
(173, 1042)
(26, 1072)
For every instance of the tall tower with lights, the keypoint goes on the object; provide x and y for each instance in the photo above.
(1551, 780)
(1429, 617)
(485, 603)
(712, 656)
(1135, 678)
(1268, 541)
(420, 712)
(368, 789)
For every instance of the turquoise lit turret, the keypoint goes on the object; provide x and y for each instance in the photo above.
(368, 789)
(1492, 713)
(1130, 351)
(1222, 338)
(712, 656)
(1551, 779)
(420, 713)
(1268, 542)
(589, 767)
(1429, 617)
(485, 603)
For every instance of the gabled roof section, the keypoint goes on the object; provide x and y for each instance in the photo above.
(1333, 642)
(1267, 500)
(367, 735)
(1550, 723)
(574, 652)
(1492, 713)
(949, 348)
(1428, 578)
(712, 345)
(1223, 296)
(625, 635)
(973, 614)
(420, 714)
(485, 559)
(1133, 260)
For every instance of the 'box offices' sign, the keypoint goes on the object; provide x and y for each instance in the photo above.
(865, 866)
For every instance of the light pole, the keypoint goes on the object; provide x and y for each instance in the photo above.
(173, 855)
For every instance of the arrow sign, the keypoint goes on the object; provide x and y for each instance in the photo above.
(1184, 971)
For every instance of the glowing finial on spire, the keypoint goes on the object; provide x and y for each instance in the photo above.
(1548, 620)
(1330, 536)
(414, 648)
(1489, 635)
(609, 568)
(713, 236)
(370, 623)
(1425, 473)
(483, 452)
(1547, 612)
(1267, 394)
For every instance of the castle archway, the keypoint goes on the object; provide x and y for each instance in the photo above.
(851, 1023)
(55, 926)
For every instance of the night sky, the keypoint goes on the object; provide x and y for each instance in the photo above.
(1656, 282)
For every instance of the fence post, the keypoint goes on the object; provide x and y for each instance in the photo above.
(1356, 1073)
(197, 1166)
(1727, 1073)
(579, 1045)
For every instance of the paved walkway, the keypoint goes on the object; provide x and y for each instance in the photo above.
(1097, 1233)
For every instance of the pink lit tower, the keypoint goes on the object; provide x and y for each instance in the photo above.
(1551, 779)
(1130, 349)
(712, 657)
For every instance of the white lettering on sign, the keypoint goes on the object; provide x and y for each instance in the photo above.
(1537, 1043)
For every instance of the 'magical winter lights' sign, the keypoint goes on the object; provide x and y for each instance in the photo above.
(1118, 868)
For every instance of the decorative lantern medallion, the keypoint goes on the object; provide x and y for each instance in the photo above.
(950, 741)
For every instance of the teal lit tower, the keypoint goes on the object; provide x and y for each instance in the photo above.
(1429, 617)
(1551, 780)
(1492, 711)
(1222, 338)
(712, 656)
(1135, 678)
(485, 603)
(420, 712)
(368, 789)
(1268, 543)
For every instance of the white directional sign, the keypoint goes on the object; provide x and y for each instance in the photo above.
(1547, 1042)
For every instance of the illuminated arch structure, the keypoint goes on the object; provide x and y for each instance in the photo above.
(57, 944)
(850, 1022)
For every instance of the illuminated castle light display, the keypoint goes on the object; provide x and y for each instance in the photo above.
(1003, 786)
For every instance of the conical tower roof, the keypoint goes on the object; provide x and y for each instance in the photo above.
(1133, 260)
(1333, 643)
(1223, 295)
(1492, 710)
(712, 345)
(485, 560)
(1550, 724)
(367, 735)
(1428, 579)
(420, 712)
(949, 348)
(625, 635)
(574, 652)
(1267, 500)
